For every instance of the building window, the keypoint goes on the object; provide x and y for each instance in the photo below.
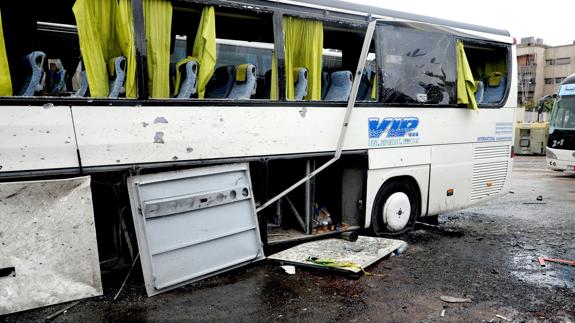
(549, 62)
(548, 81)
(563, 61)
(558, 80)
(526, 60)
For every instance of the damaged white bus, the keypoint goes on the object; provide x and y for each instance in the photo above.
(186, 141)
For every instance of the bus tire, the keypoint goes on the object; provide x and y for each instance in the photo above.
(395, 208)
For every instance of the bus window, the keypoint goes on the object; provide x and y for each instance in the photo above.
(488, 64)
(244, 50)
(564, 113)
(329, 52)
(418, 65)
(343, 48)
(42, 47)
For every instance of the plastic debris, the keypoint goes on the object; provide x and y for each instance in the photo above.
(62, 311)
(450, 299)
(542, 261)
(443, 313)
(332, 263)
(401, 249)
(503, 318)
(290, 270)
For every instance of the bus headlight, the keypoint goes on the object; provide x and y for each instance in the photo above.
(550, 154)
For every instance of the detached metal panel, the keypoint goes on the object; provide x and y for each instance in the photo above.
(48, 249)
(193, 224)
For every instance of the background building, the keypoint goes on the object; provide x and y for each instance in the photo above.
(541, 69)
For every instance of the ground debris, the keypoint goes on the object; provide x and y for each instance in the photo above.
(451, 299)
(503, 318)
(290, 270)
(62, 311)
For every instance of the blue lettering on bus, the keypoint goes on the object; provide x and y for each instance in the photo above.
(392, 127)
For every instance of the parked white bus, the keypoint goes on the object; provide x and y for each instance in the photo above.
(561, 143)
(426, 128)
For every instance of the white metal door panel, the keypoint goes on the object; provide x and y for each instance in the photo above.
(36, 138)
(451, 169)
(193, 224)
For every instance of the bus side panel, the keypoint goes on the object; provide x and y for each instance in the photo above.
(385, 164)
(132, 135)
(34, 138)
(451, 177)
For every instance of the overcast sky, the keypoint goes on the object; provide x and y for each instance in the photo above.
(551, 20)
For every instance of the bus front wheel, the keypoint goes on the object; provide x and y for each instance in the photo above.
(395, 208)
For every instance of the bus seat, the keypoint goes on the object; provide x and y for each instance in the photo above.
(117, 71)
(340, 86)
(221, 83)
(495, 89)
(324, 83)
(189, 72)
(83, 89)
(36, 63)
(245, 82)
(480, 92)
(57, 79)
(300, 86)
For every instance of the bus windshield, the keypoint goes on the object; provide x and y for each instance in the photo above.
(564, 114)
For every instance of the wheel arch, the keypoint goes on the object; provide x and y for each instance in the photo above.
(415, 176)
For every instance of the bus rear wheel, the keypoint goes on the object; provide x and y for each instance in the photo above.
(396, 207)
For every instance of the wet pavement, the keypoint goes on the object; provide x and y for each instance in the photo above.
(487, 253)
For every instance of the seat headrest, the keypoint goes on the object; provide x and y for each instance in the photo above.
(36, 59)
(299, 72)
(494, 79)
(115, 64)
(341, 77)
(243, 70)
(182, 65)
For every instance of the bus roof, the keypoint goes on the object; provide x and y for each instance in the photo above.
(366, 10)
(569, 79)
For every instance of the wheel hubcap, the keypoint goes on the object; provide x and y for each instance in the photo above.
(396, 211)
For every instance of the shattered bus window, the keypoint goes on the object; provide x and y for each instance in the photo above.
(418, 66)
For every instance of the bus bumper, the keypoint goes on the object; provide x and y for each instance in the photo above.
(560, 160)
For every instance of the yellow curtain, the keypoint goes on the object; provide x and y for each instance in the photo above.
(125, 38)
(158, 20)
(205, 49)
(303, 40)
(96, 31)
(274, 78)
(465, 83)
(105, 13)
(5, 80)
